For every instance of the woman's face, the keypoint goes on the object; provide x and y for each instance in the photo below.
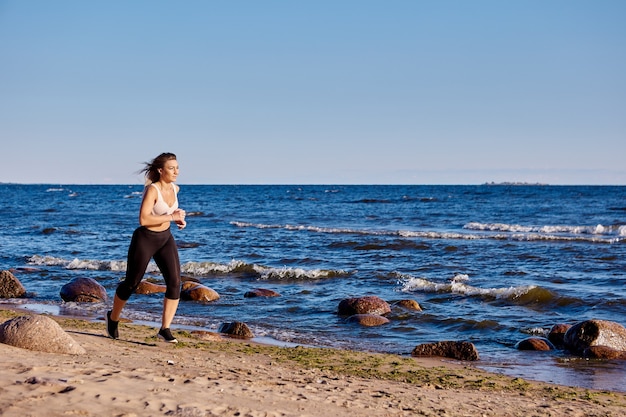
(169, 172)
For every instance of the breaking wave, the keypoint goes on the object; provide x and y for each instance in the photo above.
(234, 267)
(589, 234)
(523, 294)
(613, 230)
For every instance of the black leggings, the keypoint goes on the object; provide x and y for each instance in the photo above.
(146, 244)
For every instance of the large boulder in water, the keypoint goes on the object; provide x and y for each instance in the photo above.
(595, 333)
(10, 287)
(363, 305)
(83, 290)
(39, 333)
(464, 351)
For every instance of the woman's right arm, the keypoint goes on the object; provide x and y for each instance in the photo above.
(146, 218)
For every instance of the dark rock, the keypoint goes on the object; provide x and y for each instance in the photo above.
(595, 333)
(464, 351)
(10, 287)
(363, 305)
(557, 334)
(83, 290)
(535, 343)
(369, 320)
(261, 292)
(236, 328)
(39, 333)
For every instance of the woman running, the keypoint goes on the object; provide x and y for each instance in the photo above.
(153, 239)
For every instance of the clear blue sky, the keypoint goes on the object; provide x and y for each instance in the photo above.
(300, 92)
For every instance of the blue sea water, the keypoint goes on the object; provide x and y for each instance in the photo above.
(489, 264)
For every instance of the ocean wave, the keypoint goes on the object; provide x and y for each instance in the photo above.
(84, 264)
(599, 229)
(459, 285)
(515, 232)
(196, 268)
(259, 271)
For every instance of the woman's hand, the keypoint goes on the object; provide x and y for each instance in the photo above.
(179, 218)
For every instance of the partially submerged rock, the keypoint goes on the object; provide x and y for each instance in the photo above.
(261, 292)
(409, 305)
(147, 287)
(557, 334)
(83, 290)
(603, 352)
(192, 291)
(363, 305)
(595, 333)
(368, 320)
(535, 343)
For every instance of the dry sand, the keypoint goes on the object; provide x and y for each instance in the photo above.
(210, 375)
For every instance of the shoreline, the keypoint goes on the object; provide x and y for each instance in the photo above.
(208, 374)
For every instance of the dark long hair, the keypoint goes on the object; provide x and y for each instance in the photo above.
(151, 170)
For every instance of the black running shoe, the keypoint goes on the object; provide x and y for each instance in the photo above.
(166, 336)
(112, 326)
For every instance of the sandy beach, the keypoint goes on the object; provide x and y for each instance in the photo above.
(207, 374)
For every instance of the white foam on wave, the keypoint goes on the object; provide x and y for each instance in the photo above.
(85, 264)
(262, 272)
(195, 268)
(598, 229)
(299, 273)
(590, 234)
(317, 229)
(458, 285)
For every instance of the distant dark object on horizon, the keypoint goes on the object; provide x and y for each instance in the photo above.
(516, 183)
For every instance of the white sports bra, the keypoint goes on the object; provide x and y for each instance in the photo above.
(160, 207)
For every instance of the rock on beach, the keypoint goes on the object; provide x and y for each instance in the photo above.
(38, 333)
(237, 329)
(464, 351)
